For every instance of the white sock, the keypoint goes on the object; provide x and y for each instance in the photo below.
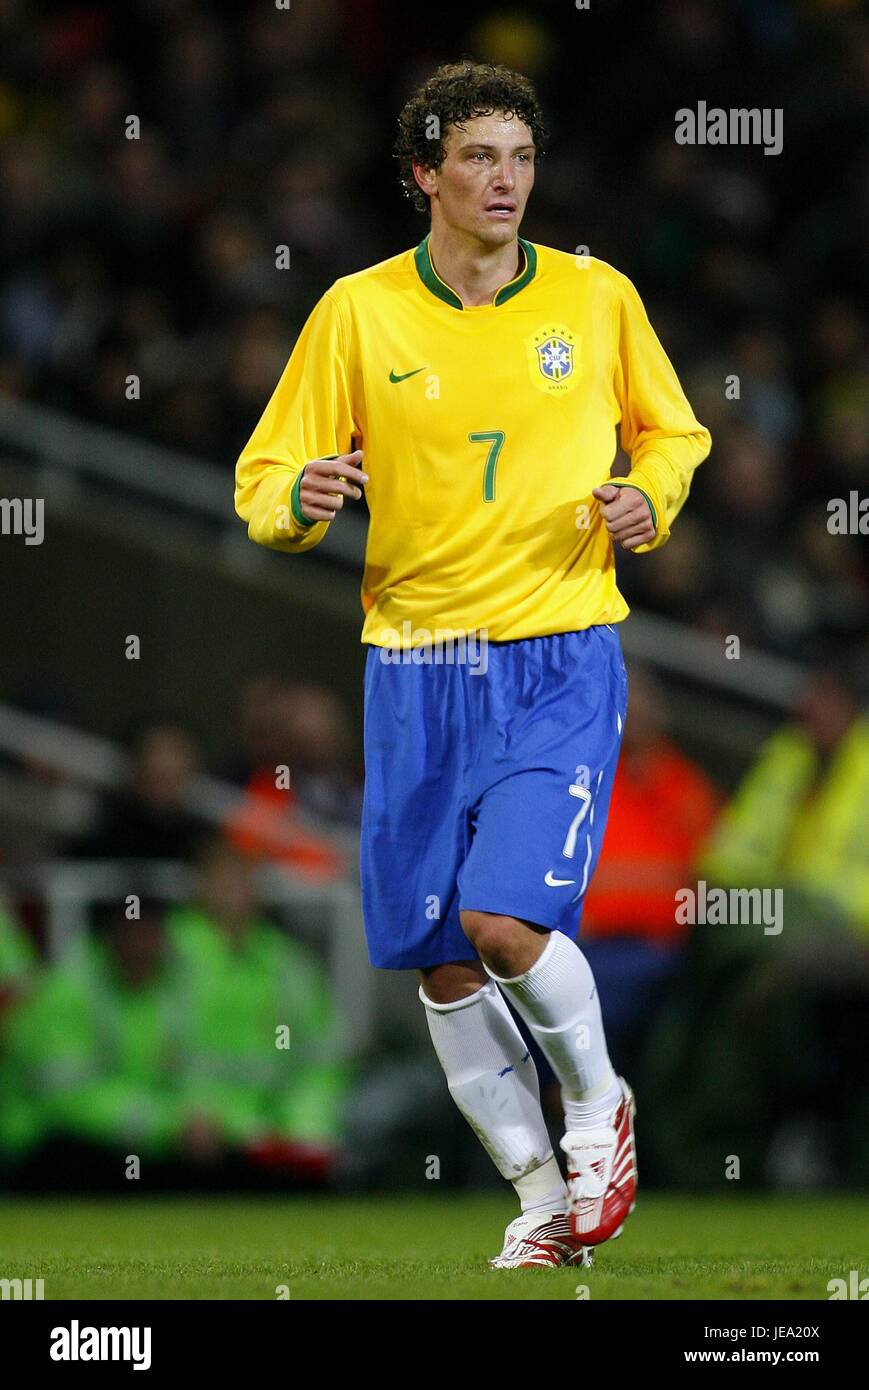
(558, 1000)
(544, 1190)
(493, 1080)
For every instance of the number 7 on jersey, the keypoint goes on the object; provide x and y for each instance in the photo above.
(495, 438)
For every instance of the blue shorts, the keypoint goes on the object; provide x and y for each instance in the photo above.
(485, 790)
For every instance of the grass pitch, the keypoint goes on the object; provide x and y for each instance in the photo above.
(717, 1247)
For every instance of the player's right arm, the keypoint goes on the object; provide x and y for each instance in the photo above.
(287, 487)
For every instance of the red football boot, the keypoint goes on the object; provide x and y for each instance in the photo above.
(602, 1174)
(539, 1241)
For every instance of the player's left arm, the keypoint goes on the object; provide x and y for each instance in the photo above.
(659, 431)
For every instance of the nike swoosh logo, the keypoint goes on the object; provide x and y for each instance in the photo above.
(393, 378)
(557, 882)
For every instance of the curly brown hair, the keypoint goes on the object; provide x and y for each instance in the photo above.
(455, 93)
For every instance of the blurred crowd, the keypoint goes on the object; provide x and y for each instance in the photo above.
(157, 1033)
(195, 1033)
(261, 127)
(196, 1036)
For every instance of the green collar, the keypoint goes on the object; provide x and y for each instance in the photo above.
(432, 281)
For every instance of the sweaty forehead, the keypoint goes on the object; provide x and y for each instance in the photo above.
(498, 128)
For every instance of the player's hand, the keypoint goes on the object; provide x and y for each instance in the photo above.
(326, 482)
(627, 515)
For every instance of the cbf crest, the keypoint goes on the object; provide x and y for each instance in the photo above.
(553, 354)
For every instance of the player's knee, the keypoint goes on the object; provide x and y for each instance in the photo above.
(491, 935)
(446, 984)
(508, 945)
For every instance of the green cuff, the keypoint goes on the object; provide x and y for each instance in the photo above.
(622, 482)
(296, 506)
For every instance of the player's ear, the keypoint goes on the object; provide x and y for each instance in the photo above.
(425, 178)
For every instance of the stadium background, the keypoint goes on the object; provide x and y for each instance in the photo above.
(155, 257)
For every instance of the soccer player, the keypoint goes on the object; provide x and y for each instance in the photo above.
(473, 386)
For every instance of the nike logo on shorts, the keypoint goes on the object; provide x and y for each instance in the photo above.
(557, 882)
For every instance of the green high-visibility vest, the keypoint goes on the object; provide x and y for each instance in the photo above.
(263, 1055)
(790, 819)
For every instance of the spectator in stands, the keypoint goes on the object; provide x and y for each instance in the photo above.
(268, 825)
(150, 818)
(799, 815)
(92, 1055)
(319, 745)
(264, 1071)
(258, 741)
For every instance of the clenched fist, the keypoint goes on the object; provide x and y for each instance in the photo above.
(627, 515)
(326, 482)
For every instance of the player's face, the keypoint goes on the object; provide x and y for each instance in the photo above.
(487, 174)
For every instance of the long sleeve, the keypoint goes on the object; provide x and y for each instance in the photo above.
(309, 416)
(658, 427)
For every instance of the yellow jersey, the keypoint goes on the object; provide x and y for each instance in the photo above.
(484, 431)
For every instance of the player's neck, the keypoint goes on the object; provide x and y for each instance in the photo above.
(475, 272)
